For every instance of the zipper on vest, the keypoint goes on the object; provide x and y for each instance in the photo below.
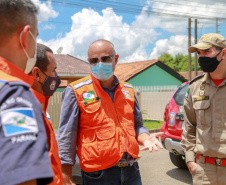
(123, 138)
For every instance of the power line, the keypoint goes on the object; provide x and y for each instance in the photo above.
(128, 8)
(97, 25)
(186, 4)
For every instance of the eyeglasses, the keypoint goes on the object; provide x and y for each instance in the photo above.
(105, 59)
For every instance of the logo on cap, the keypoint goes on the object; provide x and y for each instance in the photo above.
(203, 38)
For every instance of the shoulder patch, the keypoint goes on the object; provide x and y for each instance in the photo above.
(80, 84)
(18, 121)
(127, 85)
(196, 78)
(2, 83)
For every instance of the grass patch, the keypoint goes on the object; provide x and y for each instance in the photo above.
(152, 124)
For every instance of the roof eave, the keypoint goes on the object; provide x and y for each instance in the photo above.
(73, 75)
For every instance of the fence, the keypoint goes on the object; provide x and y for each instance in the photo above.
(152, 101)
(54, 108)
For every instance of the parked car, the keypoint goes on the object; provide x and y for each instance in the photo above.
(173, 126)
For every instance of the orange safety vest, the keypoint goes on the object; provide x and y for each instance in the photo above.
(52, 143)
(10, 72)
(106, 129)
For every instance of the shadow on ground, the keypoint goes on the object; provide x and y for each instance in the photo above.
(182, 175)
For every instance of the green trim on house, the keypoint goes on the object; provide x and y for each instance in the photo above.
(171, 71)
(60, 89)
(156, 75)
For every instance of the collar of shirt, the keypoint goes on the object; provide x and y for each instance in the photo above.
(15, 71)
(116, 83)
(214, 82)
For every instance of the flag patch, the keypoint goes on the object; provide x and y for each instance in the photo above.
(89, 95)
(126, 93)
(18, 121)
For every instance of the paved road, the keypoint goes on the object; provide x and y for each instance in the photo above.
(157, 169)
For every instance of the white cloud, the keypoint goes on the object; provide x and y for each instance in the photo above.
(129, 41)
(194, 9)
(205, 12)
(173, 45)
(46, 10)
(48, 27)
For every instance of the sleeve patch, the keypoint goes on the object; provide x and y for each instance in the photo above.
(80, 84)
(126, 93)
(18, 121)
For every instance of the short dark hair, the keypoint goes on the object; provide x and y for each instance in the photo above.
(42, 59)
(15, 14)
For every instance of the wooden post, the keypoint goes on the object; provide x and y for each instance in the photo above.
(189, 44)
(196, 72)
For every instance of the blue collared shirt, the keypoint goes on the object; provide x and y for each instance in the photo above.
(69, 120)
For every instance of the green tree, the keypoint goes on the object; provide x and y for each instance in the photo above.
(179, 62)
(167, 59)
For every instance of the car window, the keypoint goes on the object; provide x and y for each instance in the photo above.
(180, 94)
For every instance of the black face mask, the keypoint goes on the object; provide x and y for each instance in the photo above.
(50, 85)
(209, 64)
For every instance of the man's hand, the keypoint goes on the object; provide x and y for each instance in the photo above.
(67, 174)
(151, 142)
(192, 166)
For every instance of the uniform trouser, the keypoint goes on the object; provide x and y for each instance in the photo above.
(207, 173)
(129, 175)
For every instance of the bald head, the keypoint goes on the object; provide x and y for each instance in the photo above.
(101, 46)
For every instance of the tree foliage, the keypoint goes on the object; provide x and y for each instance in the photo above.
(179, 63)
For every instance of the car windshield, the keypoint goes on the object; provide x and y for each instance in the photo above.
(180, 94)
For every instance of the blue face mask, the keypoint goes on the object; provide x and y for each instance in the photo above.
(102, 71)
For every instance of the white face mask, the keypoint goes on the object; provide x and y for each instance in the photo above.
(31, 61)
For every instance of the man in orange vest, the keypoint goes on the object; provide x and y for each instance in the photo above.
(46, 81)
(23, 142)
(101, 115)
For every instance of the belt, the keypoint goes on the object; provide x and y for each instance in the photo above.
(211, 160)
(122, 164)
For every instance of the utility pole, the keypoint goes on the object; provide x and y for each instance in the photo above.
(196, 73)
(189, 44)
(216, 25)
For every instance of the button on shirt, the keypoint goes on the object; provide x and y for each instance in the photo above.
(69, 120)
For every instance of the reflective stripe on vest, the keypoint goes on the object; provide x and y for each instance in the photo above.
(106, 129)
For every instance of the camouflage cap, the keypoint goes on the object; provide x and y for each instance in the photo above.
(207, 41)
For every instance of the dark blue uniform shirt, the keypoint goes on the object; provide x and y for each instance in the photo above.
(23, 143)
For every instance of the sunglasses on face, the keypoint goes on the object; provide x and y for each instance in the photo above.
(105, 59)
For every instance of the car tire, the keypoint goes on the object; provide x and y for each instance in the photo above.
(178, 160)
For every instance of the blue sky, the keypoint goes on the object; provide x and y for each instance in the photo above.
(139, 29)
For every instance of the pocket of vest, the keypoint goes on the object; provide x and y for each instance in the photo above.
(88, 137)
(105, 133)
(93, 107)
(131, 130)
